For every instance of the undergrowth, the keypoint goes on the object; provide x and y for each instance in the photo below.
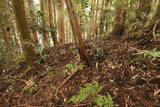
(90, 91)
(73, 67)
(150, 53)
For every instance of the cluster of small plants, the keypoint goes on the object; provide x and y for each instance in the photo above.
(73, 67)
(150, 53)
(90, 91)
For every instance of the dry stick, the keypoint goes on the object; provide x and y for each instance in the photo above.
(19, 100)
(156, 92)
(26, 105)
(126, 101)
(80, 105)
(65, 81)
(154, 28)
(135, 49)
(68, 78)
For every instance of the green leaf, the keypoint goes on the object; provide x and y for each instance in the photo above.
(104, 101)
(150, 53)
(90, 89)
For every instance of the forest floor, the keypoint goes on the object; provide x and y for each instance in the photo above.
(133, 80)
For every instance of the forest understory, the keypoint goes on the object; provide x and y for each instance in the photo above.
(125, 72)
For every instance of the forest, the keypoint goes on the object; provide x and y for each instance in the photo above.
(79, 53)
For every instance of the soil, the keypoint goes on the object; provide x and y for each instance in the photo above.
(131, 80)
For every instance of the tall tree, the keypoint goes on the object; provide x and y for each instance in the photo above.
(96, 20)
(77, 33)
(103, 17)
(92, 19)
(62, 26)
(33, 20)
(119, 27)
(44, 24)
(51, 22)
(4, 36)
(5, 26)
(25, 37)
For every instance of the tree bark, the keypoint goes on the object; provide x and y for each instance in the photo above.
(33, 21)
(6, 28)
(44, 23)
(62, 26)
(119, 27)
(27, 46)
(76, 31)
(92, 19)
(103, 18)
(51, 21)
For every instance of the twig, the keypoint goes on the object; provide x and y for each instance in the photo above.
(65, 81)
(157, 92)
(135, 49)
(154, 28)
(26, 105)
(126, 101)
(80, 105)
(68, 78)
(19, 100)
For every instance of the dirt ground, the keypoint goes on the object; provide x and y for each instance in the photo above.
(131, 79)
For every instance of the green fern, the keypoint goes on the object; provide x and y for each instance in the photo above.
(73, 67)
(90, 89)
(104, 101)
(150, 53)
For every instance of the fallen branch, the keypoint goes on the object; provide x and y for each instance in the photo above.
(64, 82)
(68, 78)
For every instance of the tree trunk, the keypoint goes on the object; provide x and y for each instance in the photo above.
(76, 31)
(5, 35)
(95, 33)
(62, 26)
(33, 21)
(92, 19)
(51, 21)
(103, 18)
(44, 32)
(27, 46)
(119, 27)
(6, 28)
